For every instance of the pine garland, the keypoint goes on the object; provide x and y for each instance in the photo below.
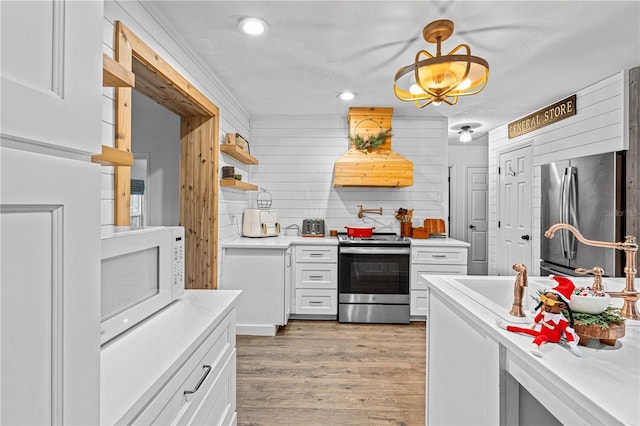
(610, 316)
(372, 142)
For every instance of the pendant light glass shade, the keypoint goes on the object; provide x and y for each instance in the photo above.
(441, 78)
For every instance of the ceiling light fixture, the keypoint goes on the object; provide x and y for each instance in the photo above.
(253, 26)
(346, 96)
(465, 134)
(441, 78)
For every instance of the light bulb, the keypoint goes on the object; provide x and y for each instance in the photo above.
(464, 84)
(465, 137)
(346, 96)
(253, 26)
(416, 90)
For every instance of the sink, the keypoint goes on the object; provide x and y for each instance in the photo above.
(496, 294)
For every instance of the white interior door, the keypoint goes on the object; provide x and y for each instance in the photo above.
(514, 209)
(477, 220)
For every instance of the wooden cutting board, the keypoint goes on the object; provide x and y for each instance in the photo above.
(435, 226)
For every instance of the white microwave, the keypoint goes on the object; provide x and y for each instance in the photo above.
(142, 271)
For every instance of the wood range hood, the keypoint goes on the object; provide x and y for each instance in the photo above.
(382, 168)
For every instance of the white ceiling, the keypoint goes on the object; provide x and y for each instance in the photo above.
(538, 51)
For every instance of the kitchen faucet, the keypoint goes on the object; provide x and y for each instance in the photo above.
(518, 289)
(362, 211)
(630, 248)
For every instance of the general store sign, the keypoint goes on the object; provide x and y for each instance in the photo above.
(548, 115)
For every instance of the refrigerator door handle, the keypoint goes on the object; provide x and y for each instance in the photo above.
(572, 210)
(564, 211)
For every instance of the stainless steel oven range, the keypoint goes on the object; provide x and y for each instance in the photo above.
(373, 279)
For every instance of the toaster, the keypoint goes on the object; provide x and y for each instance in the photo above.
(312, 228)
(260, 223)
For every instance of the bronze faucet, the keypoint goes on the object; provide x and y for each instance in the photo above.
(630, 248)
(597, 272)
(362, 211)
(518, 289)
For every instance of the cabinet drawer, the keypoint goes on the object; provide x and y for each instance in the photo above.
(314, 275)
(218, 405)
(316, 302)
(316, 253)
(419, 302)
(417, 283)
(206, 363)
(439, 255)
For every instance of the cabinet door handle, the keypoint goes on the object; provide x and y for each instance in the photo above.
(439, 256)
(207, 369)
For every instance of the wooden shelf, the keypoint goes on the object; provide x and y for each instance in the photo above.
(115, 75)
(234, 151)
(113, 157)
(238, 184)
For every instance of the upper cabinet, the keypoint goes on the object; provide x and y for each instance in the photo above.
(52, 73)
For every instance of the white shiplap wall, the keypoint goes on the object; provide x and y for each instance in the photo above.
(233, 117)
(297, 156)
(600, 125)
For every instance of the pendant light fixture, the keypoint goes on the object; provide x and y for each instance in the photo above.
(433, 79)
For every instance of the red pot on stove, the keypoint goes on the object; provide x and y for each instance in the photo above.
(359, 231)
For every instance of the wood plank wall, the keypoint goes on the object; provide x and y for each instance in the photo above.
(297, 156)
(599, 126)
(233, 117)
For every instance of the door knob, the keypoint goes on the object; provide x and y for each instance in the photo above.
(526, 237)
(472, 227)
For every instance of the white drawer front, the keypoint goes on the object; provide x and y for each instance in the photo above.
(207, 362)
(313, 275)
(419, 302)
(316, 253)
(418, 283)
(439, 255)
(218, 405)
(316, 302)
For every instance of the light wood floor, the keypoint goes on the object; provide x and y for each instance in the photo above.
(328, 373)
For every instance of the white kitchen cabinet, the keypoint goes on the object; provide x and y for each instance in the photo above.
(49, 299)
(51, 78)
(441, 257)
(261, 275)
(178, 367)
(52, 74)
(315, 282)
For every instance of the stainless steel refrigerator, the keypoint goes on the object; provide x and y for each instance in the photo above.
(588, 193)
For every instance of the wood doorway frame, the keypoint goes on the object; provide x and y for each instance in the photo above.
(199, 136)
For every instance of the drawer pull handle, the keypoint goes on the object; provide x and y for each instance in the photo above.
(439, 256)
(207, 369)
(315, 254)
(315, 302)
(315, 277)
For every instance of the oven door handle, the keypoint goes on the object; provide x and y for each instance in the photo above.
(374, 250)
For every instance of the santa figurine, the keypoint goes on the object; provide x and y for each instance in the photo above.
(549, 315)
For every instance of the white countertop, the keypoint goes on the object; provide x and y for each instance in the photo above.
(138, 362)
(284, 241)
(280, 242)
(438, 242)
(605, 381)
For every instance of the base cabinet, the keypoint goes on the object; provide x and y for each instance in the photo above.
(178, 367)
(262, 275)
(315, 282)
(432, 260)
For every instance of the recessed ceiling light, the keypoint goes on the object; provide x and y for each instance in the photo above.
(253, 26)
(346, 96)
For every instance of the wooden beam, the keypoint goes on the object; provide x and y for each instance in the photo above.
(113, 157)
(115, 75)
